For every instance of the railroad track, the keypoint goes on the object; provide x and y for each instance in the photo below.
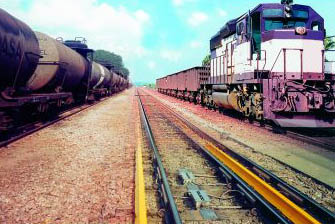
(322, 138)
(244, 180)
(34, 126)
(317, 137)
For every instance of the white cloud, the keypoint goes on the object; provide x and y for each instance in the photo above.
(171, 55)
(195, 44)
(222, 13)
(179, 3)
(104, 26)
(151, 65)
(197, 18)
(142, 16)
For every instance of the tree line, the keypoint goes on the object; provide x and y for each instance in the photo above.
(115, 60)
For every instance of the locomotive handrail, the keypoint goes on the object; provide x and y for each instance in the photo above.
(324, 60)
(323, 54)
(221, 72)
(259, 55)
(265, 53)
(284, 50)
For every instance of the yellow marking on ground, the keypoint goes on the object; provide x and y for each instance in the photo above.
(287, 207)
(140, 199)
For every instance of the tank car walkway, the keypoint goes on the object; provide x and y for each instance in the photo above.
(81, 170)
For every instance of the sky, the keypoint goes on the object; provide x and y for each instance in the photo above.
(154, 37)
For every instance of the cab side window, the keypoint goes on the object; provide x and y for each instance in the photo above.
(316, 26)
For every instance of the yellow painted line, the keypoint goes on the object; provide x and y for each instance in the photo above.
(286, 206)
(140, 201)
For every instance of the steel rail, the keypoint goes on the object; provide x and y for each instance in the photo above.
(311, 140)
(273, 196)
(140, 197)
(299, 198)
(166, 193)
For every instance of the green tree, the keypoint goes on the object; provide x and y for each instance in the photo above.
(206, 61)
(329, 43)
(111, 58)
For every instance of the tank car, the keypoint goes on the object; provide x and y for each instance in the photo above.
(41, 74)
(38, 72)
(101, 81)
(19, 52)
(269, 64)
(60, 68)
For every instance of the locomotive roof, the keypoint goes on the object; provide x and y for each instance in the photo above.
(262, 6)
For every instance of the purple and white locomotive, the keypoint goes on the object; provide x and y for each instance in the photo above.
(271, 64)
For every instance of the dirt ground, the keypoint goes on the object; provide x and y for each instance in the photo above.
(80, 170)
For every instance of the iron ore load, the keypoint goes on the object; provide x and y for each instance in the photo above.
(269, 64)
(39, 74)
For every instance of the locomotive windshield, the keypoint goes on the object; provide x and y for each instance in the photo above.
(276, 19)
(275, 24)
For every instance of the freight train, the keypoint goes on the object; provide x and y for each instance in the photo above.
(269, 64)
(39, 74)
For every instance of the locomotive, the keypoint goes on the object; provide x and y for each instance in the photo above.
(270, 64)
(39, 74)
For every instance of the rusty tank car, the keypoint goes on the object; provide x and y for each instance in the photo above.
(19, 52)
(60, 67)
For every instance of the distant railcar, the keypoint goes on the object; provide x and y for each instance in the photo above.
(184, 84)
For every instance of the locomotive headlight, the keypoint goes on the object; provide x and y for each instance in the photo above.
(288, 15)
(288, 11)
(301, 30)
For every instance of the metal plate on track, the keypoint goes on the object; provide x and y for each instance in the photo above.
(208, 214)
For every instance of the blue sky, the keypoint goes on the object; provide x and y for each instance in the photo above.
(155, 38)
